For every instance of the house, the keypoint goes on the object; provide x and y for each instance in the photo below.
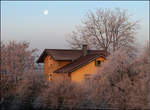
(74, 65)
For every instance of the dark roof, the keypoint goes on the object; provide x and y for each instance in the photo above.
(66, 54)
(78, 63)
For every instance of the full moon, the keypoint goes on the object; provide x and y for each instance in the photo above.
(45, 12)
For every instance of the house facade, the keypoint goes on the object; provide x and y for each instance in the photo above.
(73, 65)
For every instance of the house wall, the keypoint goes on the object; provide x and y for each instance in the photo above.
(51, 65)
(79, 74)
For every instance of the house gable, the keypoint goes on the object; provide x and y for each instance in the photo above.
(51, 65)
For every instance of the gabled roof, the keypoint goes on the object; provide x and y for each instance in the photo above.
(66, 54)
(78, 63)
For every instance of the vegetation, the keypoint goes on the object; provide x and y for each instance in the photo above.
(123, 82)
(105, 29)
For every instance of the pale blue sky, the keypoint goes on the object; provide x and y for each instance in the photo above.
(24, 20)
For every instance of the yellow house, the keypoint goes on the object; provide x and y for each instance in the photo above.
(74, 65)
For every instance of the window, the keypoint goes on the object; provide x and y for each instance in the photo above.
(50, 77)
(97, 63)
(87, 76)
(69, 76)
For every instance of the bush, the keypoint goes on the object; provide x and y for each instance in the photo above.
(123, 81)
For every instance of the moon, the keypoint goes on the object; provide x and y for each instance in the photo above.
(45, 12)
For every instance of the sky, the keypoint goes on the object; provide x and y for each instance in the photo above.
(46, 24)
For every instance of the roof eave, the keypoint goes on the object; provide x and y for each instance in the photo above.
(39, 60)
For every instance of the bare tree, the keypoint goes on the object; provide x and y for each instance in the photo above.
(123, 81)
(106, 29)
(16, 60)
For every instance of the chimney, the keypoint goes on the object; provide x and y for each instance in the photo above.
(84, 49)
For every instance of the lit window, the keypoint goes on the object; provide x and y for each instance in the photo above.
(97, 63)
(50, 77)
